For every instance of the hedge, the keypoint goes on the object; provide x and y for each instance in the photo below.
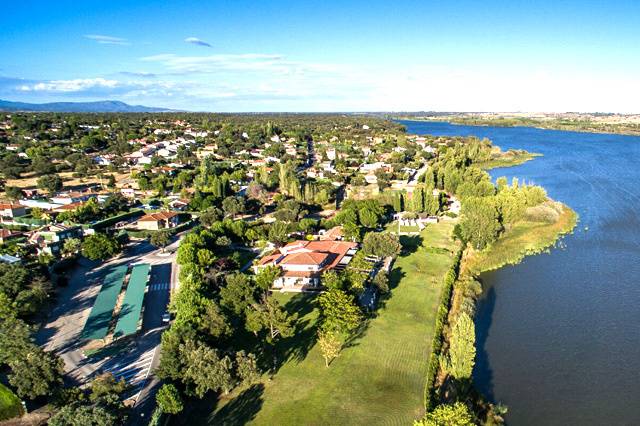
(438, 336)
(172, 231)
(29, 221)
(115, 219)
(10, 404)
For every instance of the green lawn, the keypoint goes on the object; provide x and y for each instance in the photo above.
(379, 377)
(10, 405)
(393, 227)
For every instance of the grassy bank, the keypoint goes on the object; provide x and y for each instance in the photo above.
(379, 377)
(509, 159)
(10, 405)
(524, 238)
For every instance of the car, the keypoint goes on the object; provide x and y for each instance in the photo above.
(166, 317)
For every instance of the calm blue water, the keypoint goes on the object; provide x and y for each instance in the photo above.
(559, 334)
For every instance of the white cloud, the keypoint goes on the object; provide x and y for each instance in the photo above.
(104, 39)
(76, 85)
(226, 62)
(272, 82)
(197, 41)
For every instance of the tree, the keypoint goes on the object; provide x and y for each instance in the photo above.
(256, 191)
(233, 206)
(331, 279)
(99, 246)
(106, 385)
(237, 294)
(266, 277)
(307, 225)
(339, 311)
(247, 367)
(381, 244)
(36, 373)
(172, 362)
(457, 414)
(50, 183)
(169, 399)
(215, 323)
(13, 192)
(223, 241)
(381, 281)
(462, 351)
(271, 316)
(205, 369)
(15, 335)
(480, 223)
(279, 232)
(71, 246)
(160, 239)
(330, 346)
(83, 415)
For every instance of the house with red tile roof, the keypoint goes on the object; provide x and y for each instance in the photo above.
(12, 210)
(157, 221)
(303, 262)
(8, 235)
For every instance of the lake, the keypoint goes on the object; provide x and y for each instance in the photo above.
(559, 334)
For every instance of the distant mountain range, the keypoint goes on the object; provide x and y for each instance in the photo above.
(98, 106)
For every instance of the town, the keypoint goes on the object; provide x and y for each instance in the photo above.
(135, 243)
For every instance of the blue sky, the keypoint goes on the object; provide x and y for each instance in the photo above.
(326, 55)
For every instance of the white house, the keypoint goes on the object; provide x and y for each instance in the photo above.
(303, 262)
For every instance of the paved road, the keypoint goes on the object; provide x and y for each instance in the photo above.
(414, 180)
(136, 361)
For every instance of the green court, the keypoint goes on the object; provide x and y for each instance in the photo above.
(97, 324)
(132, 306)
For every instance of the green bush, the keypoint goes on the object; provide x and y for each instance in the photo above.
(10, 405)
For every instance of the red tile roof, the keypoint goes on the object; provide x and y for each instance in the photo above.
(334, 233)
(6, 233)
(6, 206)
(305, 258)
(268, 259)
(155, 217)
(326, 254)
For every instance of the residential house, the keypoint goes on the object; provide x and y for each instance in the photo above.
(103, 160)
(334, 234)
(7, 235)
(39, 204)
(303, 263)
(12, 210)
(128, 192)
(50, 239)
(157, 221)
(178, 204)
(65, 198)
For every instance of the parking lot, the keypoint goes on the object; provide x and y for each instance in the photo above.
(132, 359)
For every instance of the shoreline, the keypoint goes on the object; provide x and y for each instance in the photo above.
(524, 125)
(462, 289)
(516, 242)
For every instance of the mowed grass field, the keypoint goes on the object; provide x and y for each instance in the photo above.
(379, 377)
(10, 405)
